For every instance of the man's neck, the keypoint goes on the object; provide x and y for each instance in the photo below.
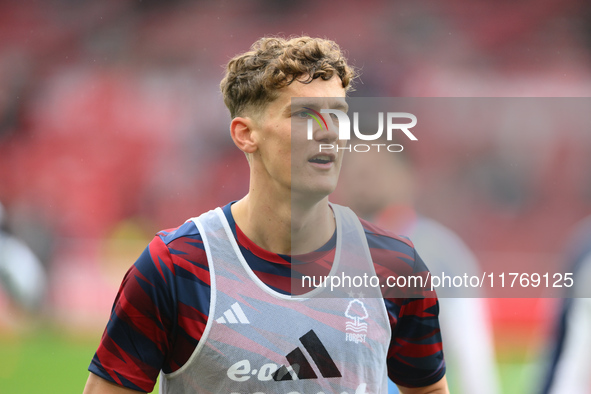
(285, 227)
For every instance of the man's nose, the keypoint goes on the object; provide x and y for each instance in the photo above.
(328, 133)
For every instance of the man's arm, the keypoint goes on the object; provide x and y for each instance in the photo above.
(436, 388)
(134, 345)
(97, 385)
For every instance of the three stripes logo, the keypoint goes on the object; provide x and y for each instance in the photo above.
(300, 368)
(234, 315)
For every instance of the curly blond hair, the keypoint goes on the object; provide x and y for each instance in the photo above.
(253, 78)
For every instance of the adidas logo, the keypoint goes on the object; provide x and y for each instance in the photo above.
(300, 368)
(234, 315)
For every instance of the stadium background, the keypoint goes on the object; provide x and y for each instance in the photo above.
(112, 127)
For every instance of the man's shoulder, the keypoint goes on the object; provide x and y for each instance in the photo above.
(175, 255)
(390, 253)
(186, 230)
(378, 237)
(179, 247)
(183, 244)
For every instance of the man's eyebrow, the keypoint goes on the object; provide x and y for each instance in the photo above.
(340, 105)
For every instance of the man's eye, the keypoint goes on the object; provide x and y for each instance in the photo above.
(302, 114)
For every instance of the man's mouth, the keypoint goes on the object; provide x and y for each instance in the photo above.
(322, 159)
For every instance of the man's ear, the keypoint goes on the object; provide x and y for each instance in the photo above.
(242, 134)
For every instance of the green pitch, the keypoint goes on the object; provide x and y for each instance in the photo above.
(49, 361)
(44, 362)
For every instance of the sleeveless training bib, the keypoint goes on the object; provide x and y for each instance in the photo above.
(260, 341)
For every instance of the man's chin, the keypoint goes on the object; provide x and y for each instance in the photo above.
(311, 194)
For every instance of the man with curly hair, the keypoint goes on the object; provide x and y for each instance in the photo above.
(211, 306)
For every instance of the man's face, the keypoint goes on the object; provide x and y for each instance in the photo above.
(287, 158)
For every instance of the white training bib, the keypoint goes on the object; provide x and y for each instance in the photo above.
(260, 341)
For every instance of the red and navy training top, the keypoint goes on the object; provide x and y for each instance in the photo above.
(162, 306)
